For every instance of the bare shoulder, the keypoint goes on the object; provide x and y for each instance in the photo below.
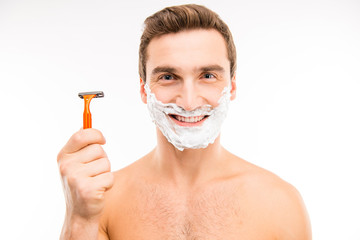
(126, 177)
(275, 198)
(119, 197)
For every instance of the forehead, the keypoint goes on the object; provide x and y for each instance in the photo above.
(188, 49)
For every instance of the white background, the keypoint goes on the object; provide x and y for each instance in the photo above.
(296, 114)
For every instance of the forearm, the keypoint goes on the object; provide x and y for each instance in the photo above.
(76, 228)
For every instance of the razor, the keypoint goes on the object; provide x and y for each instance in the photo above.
(88, 96)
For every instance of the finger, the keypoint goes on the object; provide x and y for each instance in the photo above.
(96, 167)
(103, 181)
(85, 155)
(83, 138)
(89, 153)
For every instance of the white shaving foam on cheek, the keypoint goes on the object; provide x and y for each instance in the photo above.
(188, 137)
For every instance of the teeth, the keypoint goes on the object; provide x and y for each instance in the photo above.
(189, 119)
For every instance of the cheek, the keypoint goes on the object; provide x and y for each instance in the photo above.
(212, 95)
(163, 95)
(213, 101)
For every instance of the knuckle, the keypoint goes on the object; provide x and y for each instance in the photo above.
(83, 190)
(99, 150)
(110, 178)
(63, 168)
(106, 164)
(77, 137)
(63, 156)
(100, 195)
(73, 180)
(87, 193)
(99, 135)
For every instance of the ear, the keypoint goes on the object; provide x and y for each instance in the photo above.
(233, 87)
(142, 91)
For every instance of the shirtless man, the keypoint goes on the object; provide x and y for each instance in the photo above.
(189, 186)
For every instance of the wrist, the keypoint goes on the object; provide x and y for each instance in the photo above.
(77, 227)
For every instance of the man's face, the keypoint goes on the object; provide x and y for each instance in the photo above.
(190, 69)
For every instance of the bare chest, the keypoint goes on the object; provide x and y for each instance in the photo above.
(211, 213)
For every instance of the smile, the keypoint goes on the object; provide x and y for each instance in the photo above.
(188, 121)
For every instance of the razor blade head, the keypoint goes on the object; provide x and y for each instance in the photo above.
(98, 94)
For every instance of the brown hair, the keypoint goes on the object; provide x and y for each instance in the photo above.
(184, 17)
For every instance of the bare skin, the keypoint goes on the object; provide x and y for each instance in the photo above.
(198, 193)
(237, 200)
(193, 194)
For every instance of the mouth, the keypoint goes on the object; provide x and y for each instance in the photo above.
(188, 121)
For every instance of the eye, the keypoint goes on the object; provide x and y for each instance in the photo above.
(208, 75)
(167, 77)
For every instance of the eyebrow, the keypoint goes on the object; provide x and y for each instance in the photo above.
(216, 68)
(162, 69)
(209, 68)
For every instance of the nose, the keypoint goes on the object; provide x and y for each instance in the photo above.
(189, 97)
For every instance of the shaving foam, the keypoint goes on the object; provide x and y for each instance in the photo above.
(188, 137)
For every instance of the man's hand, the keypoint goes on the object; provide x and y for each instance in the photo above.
(86, 176)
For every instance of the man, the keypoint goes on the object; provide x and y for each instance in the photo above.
(189, 186)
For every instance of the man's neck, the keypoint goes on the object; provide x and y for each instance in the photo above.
(189, 167)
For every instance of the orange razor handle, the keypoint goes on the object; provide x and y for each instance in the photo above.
(88, 96)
